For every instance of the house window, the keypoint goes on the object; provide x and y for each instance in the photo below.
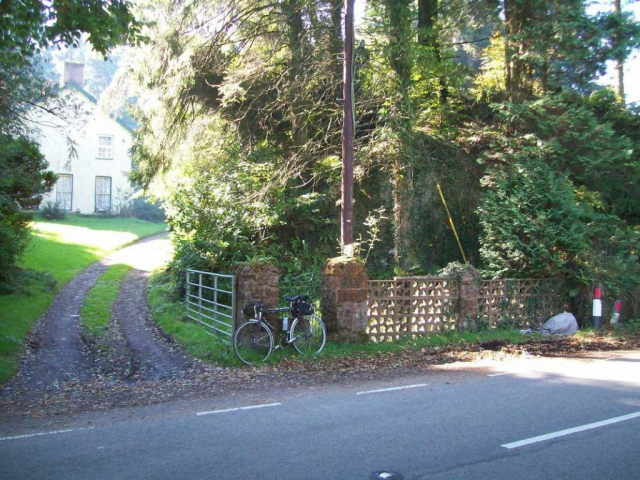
(105, 146)
(64, 191)
(103, 194)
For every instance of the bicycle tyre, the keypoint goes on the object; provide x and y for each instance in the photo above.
(253, 343)
(309, 334)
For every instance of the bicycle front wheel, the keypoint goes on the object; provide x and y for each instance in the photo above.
(308, 334)
(253, 342)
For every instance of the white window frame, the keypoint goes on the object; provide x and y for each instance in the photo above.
(105, 147)
(99, 204)
(61, 194)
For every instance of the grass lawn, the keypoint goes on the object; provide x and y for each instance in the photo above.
(60, 249)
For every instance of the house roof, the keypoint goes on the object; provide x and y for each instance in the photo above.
(93, 100)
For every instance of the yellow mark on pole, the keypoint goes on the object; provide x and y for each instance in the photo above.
(453, 227)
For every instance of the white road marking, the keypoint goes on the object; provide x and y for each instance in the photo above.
(569, 431)
(418, 385)
(251, 407)
(42, 434)
(499, 374)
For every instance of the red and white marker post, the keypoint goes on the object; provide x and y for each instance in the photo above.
(615, 316)
(597, 308)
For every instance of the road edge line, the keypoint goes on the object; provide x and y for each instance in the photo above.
(226, 410)
(570, 431)
(391, 389)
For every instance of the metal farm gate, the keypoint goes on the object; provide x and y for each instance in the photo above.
(210, 300)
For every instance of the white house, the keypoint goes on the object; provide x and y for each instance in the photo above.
(86, 148)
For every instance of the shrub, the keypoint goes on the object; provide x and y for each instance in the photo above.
(24, 179)
(147, 210)
(531, 224)
(52, 211)
(550, 207)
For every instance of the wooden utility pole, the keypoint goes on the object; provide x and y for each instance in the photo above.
(346, 224)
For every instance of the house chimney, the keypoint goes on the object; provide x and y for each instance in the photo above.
(73, 73)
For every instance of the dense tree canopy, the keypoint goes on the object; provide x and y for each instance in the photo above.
(492, 103)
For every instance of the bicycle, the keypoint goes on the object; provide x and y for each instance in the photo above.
(253, 342)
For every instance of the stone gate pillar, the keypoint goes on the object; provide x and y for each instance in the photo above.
(344, 298)
(256, 282)
(468, 303)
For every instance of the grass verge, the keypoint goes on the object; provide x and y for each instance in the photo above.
(97, 305)
(171, 317)
(448, 339)
(57, 252)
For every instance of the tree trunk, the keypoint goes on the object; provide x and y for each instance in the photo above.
(518, 14)
(399, 19)
(292, 10)
(427, 17)
(620, 60)
(428, 37)
(336, 46)
(336, 27)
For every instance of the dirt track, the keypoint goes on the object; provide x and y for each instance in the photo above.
(58, 358)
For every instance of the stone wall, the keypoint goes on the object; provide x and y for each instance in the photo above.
(256, 282)
(344, 298)
(468, 303)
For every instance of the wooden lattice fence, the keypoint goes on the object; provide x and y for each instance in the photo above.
(415, 306)
(411, 306)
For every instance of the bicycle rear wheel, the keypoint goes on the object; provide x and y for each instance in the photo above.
(253, 342)
(309, 334)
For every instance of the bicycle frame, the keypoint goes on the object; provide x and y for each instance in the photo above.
(261, 312)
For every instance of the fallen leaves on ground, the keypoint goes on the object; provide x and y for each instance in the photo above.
(102, 394)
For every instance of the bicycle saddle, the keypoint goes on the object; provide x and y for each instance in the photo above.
(295, 298)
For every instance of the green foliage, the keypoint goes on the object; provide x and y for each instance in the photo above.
(571, 136)
(52, 211)
(96, 307)
(243, 123)
(29, 26)
(457, 269)
(548, 206)
(621, 34)
(230, 213)
(531, 224)
(24, 179)
(148, 210)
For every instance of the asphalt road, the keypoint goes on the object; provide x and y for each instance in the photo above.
(533, 418)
